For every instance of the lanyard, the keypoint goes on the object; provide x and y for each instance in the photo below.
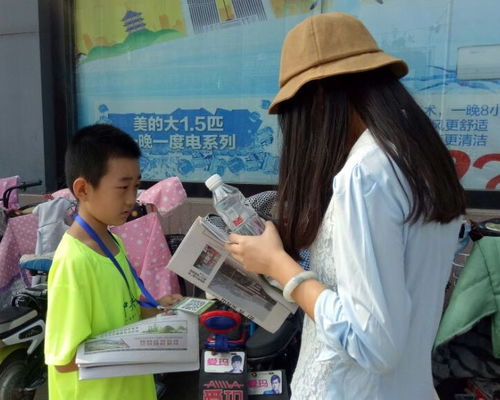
(151, 303)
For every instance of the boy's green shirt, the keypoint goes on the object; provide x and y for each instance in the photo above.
(87, 296)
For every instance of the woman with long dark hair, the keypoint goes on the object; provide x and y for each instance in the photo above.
(368, 186)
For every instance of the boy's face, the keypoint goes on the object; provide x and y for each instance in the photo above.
(112, 200)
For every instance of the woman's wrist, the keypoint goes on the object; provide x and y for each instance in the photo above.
(283, 267)
(296, 281)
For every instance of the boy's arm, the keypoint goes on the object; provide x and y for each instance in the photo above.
(68, 321)
(165, 301)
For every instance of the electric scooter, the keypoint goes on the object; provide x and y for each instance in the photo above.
(22, 329)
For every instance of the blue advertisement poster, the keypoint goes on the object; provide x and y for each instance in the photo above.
(191, 80)
(237, 141)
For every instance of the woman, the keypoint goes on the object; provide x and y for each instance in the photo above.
(367, 184)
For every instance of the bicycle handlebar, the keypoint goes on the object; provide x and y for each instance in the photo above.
(22, 186)
(26, 185)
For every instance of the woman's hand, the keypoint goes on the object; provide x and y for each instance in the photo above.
(265, 255)
(257, 253)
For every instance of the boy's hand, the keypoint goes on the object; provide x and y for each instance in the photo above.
(70, 367)
(169, 299)
(165, 301)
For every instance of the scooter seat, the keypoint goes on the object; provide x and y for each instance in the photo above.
(12, 318)
(263, 344)
(35, 262)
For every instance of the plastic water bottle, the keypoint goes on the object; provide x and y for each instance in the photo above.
(231, 205)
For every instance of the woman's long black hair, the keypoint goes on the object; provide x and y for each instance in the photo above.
(316, 126)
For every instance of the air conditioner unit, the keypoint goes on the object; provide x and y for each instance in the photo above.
(478, 62)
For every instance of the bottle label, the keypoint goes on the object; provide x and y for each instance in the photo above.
(252, 226)
(240, 217)
(238, 220)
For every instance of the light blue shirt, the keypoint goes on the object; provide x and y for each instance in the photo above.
(380, 324)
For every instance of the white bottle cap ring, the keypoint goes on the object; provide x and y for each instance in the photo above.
(214, 181)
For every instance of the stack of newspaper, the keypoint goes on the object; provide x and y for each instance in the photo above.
(164, 343)
(202, 260)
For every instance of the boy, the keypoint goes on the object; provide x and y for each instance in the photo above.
(87, 294)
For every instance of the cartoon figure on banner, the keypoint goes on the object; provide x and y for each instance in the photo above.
(103, 114)
(203, 160)
(259, 159)
(157, 165)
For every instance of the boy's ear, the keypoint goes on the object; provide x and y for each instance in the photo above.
(81, 188)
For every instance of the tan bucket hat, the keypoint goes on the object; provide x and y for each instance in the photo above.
(325, 45)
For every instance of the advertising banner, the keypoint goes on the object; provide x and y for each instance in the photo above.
(192, 80)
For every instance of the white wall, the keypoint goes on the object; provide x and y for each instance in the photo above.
(21, 117)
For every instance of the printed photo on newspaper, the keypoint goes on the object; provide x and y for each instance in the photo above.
(202, 260)
(163, 343)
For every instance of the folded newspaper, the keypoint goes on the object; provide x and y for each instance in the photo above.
(202, 260)
(163, 343)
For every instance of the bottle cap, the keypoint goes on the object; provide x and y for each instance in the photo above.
(214, 181)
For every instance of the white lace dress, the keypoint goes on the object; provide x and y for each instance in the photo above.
(310, 376)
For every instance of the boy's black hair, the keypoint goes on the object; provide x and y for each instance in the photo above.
(275, 378)
(90, 149)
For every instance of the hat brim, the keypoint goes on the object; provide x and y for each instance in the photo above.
(354, 64)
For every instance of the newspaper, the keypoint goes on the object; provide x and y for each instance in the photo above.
(163, 343)
(202, 260)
